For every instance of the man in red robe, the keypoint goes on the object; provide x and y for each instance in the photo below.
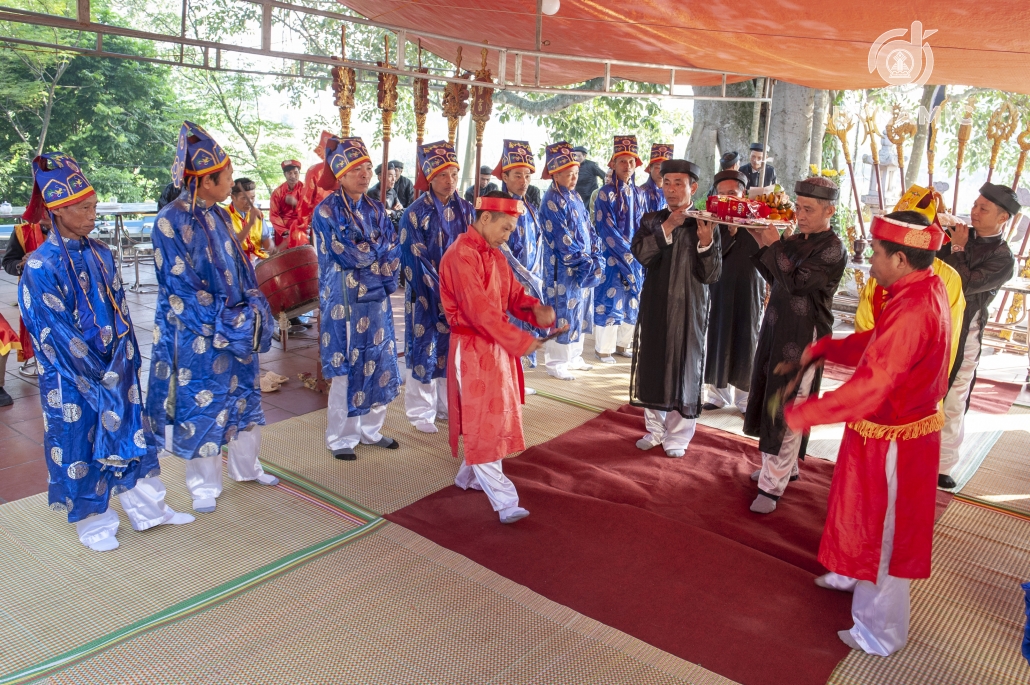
(312, 195)
(479, 291)
(285, 202)
(879, 522)
(24, 241)
(8, 342)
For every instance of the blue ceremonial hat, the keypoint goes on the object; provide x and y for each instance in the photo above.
(660, 152)
(559, 158)
(516, 153)
(625, 146)
(432, 159)
(343, 154)
(57, 182)
(196, 154)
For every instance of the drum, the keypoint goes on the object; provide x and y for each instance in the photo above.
(290, 280)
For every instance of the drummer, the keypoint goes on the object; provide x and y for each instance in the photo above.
(358, 261)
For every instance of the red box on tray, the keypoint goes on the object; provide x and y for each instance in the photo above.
(730, 207)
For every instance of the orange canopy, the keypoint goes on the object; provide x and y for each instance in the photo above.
(808, 42)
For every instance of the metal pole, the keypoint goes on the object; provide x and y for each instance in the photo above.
(765, 138)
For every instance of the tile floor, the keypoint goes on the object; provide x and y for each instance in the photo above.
(22, 469)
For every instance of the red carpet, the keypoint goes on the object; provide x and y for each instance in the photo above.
(989, 397)
(663, 549)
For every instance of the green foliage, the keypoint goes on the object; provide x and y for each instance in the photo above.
(231, 104)
(119, 118)
(594, 122)
(978, 150)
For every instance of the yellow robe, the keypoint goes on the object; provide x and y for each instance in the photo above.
(865, 319)
(252, 243)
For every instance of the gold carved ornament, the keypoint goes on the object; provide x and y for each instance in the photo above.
(455, 101)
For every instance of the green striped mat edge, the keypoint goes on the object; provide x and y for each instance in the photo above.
(198, 603)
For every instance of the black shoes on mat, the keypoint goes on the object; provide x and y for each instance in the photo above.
(347, 453)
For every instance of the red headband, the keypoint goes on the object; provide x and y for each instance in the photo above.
(910, 235)
(501, 204)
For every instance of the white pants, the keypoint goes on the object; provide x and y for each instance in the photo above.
(668, 429)
(722, 397)
(204, 474)
(607, 338)
(778, 468)
(881, 609)
(144, 505)
(344, 432)
(491, 479)
(424, 402)
(955, 403)
(561, 359)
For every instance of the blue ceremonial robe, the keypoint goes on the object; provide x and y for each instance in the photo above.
(210, 320)
(617, 213)
(572, 265)
(428, 228)
(96, 437)
(358, 261)
(523, 254)
(654, 198)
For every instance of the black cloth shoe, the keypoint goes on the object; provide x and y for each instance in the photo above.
(945, 481)
(708, 406)
(5, 399)
(346, 454)
(388, 443)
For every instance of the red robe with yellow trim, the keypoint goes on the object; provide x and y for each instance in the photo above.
(901, 375)
(8, 339)
(484, 392)
(30, 236)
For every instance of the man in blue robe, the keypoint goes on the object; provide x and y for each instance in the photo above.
(211, 321)
(358, 262)
(654, 198)
(516, 169)
(97, 440)
(572, 262)
(428, 228)
(617, 212)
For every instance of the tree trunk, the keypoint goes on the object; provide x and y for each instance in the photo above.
(719, 127)
(790, 133)
(756, 119)
(819, 111)
(919, 142)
